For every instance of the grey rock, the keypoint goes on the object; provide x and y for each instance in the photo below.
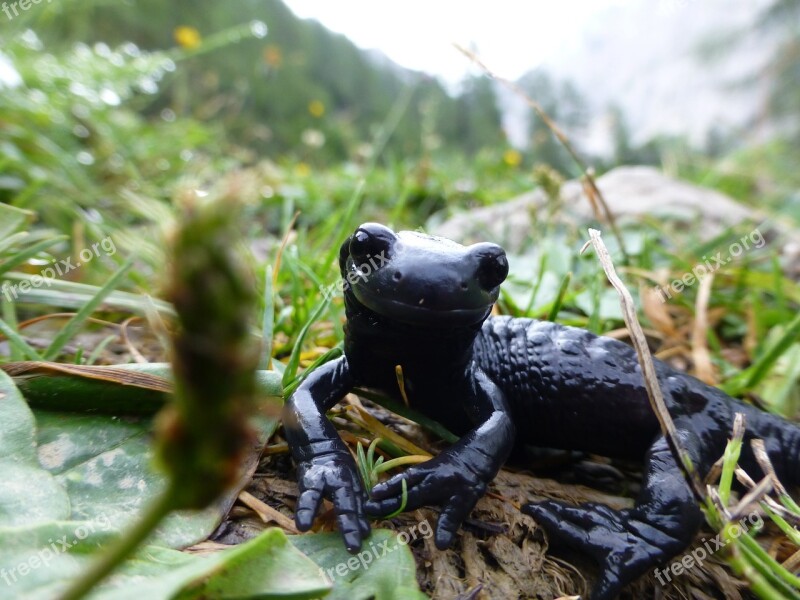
(630, 192)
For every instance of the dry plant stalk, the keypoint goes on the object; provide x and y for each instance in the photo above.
(593, 192)
(703, 368)
(648, 368)
(747, 481)
(99, 372)
(266, 513)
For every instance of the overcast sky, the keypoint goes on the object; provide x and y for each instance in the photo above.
(512, 36)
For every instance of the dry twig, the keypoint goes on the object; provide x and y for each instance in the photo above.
(648, 367)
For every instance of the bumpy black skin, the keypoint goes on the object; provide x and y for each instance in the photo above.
(423, 303)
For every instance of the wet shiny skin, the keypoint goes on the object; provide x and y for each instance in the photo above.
(423, 303)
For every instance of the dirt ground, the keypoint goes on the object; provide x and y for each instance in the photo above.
(501, 553)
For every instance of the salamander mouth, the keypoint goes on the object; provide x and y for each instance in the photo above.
(416, 314)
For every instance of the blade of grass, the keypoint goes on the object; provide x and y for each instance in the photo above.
(10, 316)
(403, 501)
(562, 290)
(294, 359)
(267, 321)
(388, 435)
(344, 224)
(538, 284)
(411, 459)
(68, 294)
(331, 354)
(410, 414)
(371, 453)
(13, 218)
(99, 350)
(771, 569)
(753, 375)
(21, 199)
(730, 457)
(75, 322)
(789, 531)
(23, 255)
(379, 142)
(12, 239)
(363, 466)
(758, 583)
(780, 296)
(16, 340)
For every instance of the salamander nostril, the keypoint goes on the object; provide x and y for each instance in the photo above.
(397, 276)
(492, 265)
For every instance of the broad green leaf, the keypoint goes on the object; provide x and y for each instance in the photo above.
(35, 560)
(17, 425)
(86, 477)
(384, 568)
(38, 562)
(106, 466)
(265, 567)
(66, 440)
(28, 494)
(118, 479)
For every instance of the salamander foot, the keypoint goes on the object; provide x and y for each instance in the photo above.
(623, 543)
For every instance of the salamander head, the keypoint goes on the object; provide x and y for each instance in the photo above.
(421, 279)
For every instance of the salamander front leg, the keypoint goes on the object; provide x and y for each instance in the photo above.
(628, 543)
(325, 467)
(457, 478)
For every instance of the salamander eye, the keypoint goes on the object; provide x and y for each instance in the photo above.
(492, 265)
(369, 240)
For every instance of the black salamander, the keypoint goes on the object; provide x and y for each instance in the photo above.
(423, 302)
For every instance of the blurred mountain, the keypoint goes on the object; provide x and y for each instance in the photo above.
(301, 90)
(660, 68)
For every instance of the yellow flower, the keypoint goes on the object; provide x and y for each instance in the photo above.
(187, 37)
(302, 170)
(316, 108)
(512, 157)
(273, 56)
